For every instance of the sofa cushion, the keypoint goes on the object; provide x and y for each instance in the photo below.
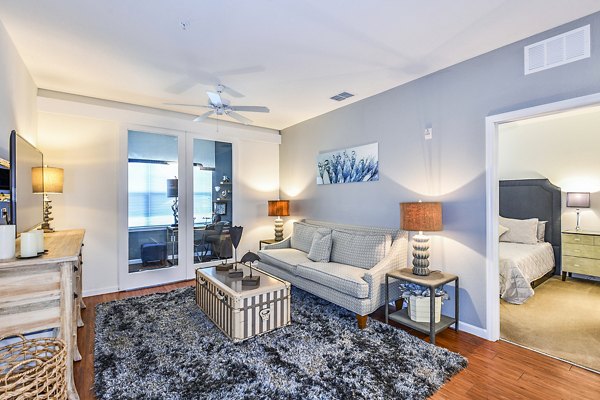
(359, 249)
(286, 259)
(302, 236)
(341, 277)
(320, 249)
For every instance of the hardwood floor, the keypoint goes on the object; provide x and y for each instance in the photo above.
(497, 370)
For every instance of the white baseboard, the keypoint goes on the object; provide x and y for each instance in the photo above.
(473, 330)
(96, 292)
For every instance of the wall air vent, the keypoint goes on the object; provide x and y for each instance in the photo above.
(341, 96)
(558, 50)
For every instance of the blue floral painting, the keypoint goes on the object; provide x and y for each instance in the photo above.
(354, 164)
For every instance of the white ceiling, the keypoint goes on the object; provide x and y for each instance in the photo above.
(288, 55)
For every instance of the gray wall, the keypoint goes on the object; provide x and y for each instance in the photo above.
(450, 168)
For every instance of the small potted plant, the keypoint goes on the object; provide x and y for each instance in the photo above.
(417, 297)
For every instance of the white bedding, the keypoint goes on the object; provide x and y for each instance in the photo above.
(520, 264)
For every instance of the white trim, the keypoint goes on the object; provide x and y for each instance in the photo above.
(98, 291)
(492, 201)
(472, 329)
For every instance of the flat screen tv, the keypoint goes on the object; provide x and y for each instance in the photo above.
(26, 207)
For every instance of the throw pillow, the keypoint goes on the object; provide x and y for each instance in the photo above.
(302, 236)
(359, 249)
(320, 249)
(502, 230)
(541, 231)
(520, 230)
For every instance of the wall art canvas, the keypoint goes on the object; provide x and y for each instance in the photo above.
(354, 164)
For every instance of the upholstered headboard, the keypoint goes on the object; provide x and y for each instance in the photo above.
(534, 198)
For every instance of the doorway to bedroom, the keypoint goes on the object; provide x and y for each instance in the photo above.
(548, 238)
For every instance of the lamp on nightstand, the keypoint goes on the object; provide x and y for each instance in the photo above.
(421, 217)
(578, 200)
(279, 208)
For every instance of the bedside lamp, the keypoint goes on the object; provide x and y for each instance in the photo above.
(279, 208)
(578, 200)
(421, 217)
(47, 180)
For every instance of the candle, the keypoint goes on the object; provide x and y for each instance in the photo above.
(39, 237)
(7, 242)
(29, 244)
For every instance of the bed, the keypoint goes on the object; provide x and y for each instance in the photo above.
(525, 266)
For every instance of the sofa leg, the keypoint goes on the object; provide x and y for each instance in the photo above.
(399, 304)
(362, 321)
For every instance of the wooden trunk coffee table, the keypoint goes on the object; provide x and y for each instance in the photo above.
(243, 312)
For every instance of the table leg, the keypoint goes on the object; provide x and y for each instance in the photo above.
(456, 304)
(387, 299)
(431, 315)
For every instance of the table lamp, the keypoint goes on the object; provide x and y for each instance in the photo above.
(421, 217)
(173, 193)
(279, 208)
(578, 200)
(47, 180)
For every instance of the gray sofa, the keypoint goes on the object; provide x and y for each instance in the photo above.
(354, 277)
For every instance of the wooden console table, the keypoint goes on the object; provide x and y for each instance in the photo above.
(45, 293)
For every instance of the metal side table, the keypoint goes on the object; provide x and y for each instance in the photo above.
(431, 281)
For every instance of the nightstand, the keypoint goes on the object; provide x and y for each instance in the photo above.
(266, 241)
(580, 253)
(432, 281)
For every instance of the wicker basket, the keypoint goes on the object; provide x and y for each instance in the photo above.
(33, 369)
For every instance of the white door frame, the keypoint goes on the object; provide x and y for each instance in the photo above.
(189, 210)
(159, 276)
(492, 200)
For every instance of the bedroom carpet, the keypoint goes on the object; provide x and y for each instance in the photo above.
(161, 346)
(562, 319)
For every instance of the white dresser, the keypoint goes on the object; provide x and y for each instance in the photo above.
(580, 253)
(45, 293)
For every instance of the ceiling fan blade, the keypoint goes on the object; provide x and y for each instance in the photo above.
(183, 85)
(250, 108)
(239, 117)
(215, 98)
(231, 92)
(187, 105)
(202, 117)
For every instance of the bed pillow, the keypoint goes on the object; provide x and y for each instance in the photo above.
(520, 230)
(541, 231)
(502, 230)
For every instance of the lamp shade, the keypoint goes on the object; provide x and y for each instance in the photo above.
(578, 199)
(279, 208)
(172, 187)
(47, 179)
(421, 216)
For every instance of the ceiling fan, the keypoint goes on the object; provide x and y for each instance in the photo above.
(221, 106)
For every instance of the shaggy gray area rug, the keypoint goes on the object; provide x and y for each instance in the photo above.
(162, 346)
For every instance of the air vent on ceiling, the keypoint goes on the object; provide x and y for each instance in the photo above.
(558, 50)
(341, 96)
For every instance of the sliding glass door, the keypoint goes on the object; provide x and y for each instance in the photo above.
(212, 205)
(178, 191)
(154, 191)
